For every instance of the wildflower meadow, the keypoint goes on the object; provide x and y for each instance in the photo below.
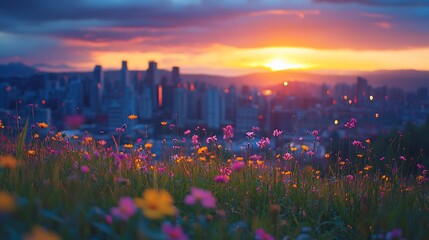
(200, 186)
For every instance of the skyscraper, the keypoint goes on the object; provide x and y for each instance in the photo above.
(99, 79)
(361, 90)
(125, 78)
(152, 74)
(175, 76)
(180, 106)
(213, 108)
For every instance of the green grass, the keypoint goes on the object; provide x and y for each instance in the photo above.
(280, 196)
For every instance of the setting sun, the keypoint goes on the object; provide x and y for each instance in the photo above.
(279, 64)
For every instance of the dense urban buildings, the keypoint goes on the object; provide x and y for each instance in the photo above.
(105, 101)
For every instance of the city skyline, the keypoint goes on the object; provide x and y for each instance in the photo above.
(217, 37)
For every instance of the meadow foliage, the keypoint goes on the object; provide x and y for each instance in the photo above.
(54, 186)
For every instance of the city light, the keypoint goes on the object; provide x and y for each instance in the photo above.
(371, 98)
(336, 122)
(285, 83)
(267, 92)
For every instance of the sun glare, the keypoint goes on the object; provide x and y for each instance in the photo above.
(279, 64)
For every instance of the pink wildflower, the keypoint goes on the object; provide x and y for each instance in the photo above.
(108, 219)
(402, 158)
(227, 132)
(187, 132)
(84, 169)
(287, 156)
(315, 133)
(250, 135)
(195, 140)
(351, 123)
(126, 209)
(277, 133)
(212, 139)
(264, 142)
(237, 166)
(221, 179)
(173, 232)
(394, 234)
(202, 196)
(262, 235)
(255, 129)
(358, 144)
(382, 158)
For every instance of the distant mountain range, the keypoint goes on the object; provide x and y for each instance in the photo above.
(408, 80)
(16, 70)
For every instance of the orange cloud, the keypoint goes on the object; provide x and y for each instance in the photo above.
(298, 13)
(384, 25)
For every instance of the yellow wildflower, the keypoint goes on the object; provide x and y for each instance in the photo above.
(164, 123)
(239, 158)
(202, 150)
(31, 152)
(7, 202)
(156, 204)
(128, 146)
(132, 117)
(7, 162)
(148, 145)
(36, 135)
(42, 125)
(304, 148)
(327, 155)
(39, 233)
(367, 168)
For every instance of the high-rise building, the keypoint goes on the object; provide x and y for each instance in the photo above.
(145, 110)
(75, 93)
(180, 106)
(125, 78)
(362, 90)
(246, 118)
(213, 108)
(99, 79)
(152, 77)
(175, 76)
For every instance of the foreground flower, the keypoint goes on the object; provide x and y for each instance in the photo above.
(42, 125)
(263, 142)
(7, 162)
(156, 204)
(39, 233)
(277, 133)
(132, 117)
(173, 232)
(262, 235)
(200, 196)
(221, 179)
(228, 132)
(237, 166)
(7, 203)
(126, 208)
(84, 169)
(128, 146)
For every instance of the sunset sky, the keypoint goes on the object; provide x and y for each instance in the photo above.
(224, 37)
